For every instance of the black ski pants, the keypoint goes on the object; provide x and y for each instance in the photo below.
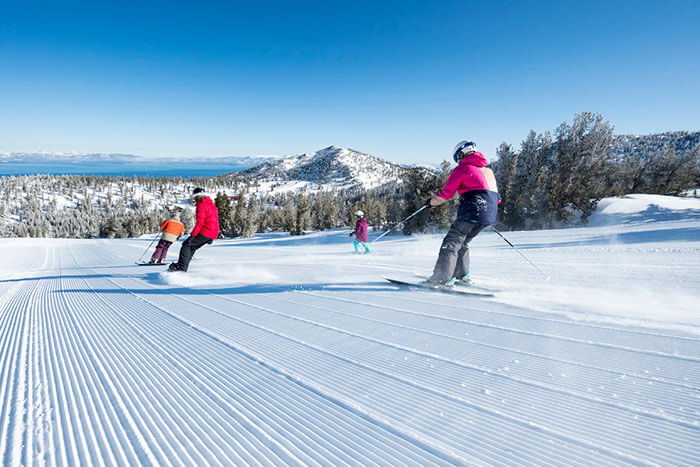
(189, 246)
(453, 260)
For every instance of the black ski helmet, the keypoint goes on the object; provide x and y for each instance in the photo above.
(198, 193)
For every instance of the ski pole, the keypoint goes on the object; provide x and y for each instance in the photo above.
(519, 252)
(394, 227)
(148, 247)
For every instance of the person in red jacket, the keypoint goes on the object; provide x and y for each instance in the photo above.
(205, 230)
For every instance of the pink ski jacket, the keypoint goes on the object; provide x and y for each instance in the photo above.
(476, 185)
(360, 231)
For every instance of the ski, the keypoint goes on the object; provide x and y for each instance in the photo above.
(151, 264)
(450, 290)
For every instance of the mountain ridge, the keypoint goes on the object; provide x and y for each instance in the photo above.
(342, 167)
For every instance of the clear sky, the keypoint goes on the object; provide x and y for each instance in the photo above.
(401, 80)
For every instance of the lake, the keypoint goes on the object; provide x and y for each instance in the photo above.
(118, 169)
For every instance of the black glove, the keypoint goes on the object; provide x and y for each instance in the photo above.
(350, 234)
(427, 203)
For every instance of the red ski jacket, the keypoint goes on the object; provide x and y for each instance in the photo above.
(207, 219)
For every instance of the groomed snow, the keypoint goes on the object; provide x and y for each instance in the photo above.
(293, 350)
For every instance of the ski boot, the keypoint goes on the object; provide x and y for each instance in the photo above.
(440, 285)
(463, 281)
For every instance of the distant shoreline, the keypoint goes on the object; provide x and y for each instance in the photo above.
(117, 169)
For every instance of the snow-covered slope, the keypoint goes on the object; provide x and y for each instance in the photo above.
(293, 350)
(645, 209)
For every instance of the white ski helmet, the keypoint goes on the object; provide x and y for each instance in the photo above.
(462, 149)
(359, 213)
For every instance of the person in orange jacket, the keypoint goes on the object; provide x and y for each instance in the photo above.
(172, 230)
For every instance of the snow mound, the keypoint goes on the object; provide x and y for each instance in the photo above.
(643, 209)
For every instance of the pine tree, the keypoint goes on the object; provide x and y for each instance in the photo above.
(289, 217)
(505, 171)
(250, 226)
(443, 215)
(223, 205)
(239, 215)
(672, 174)
(415, 196)
(581, 168)
(303, 215)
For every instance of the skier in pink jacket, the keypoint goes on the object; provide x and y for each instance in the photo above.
(478, 206)
(360, 233)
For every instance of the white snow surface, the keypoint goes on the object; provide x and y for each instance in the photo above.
(283, 350)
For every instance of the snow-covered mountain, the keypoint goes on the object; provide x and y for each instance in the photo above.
(334, 165)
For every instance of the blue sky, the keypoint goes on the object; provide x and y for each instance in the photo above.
(401, 80)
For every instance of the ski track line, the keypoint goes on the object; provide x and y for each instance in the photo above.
(60, 360)
(439, 450)
(459, 362)
(110, 280)
(208, 336)
(17, 380)
(549, 336)
(499, 372)
(13, 373)
(660, 416)
(682, 372)
(524, 423)
(452, 318)
(14, 282)
(90, 407)
(321, 392)
(544, 319)
(182, 438)
(161, 410)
